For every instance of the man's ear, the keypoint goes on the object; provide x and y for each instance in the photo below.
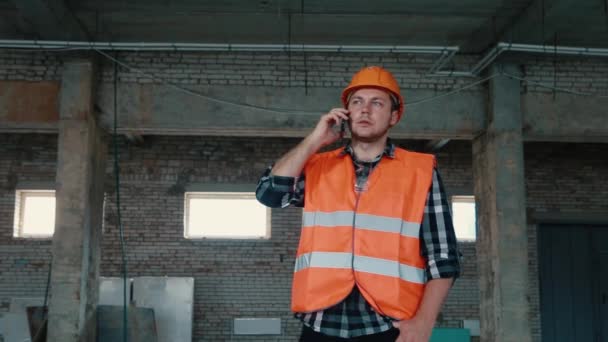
(394, 118)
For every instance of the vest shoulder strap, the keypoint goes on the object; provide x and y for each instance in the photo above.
(419, 158)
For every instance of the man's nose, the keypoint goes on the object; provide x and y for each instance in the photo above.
(365, 107)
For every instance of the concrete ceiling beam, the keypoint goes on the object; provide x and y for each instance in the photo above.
(51, 19)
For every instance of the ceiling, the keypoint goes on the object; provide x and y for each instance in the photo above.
(472, 25)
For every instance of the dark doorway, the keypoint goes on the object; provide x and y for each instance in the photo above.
(573, 265)
(600, 239)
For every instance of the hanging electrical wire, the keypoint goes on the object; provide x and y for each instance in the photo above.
(296, 112)
(206, 97)
(606, 13)
(125, 322)
(289, 49)
(305, 54)
(554, 64)
(455, 91)
(542, 21)
(563, 90)
(269, 109)
(43, 316)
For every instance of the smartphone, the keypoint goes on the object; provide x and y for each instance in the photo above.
(342, 128)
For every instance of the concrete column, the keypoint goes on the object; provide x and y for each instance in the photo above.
(498, 168)
(79, 200)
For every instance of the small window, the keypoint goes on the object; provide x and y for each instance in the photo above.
(225, 215)
(463, 215)
(34, 214)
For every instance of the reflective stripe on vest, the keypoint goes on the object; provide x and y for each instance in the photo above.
(361, 264)
(362, 221)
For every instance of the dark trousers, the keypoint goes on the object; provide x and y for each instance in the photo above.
(309, 335)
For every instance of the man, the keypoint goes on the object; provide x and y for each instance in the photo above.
(377, 252)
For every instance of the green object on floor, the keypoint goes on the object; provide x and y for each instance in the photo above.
(450, 335)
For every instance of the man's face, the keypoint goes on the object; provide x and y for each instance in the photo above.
(370, 114)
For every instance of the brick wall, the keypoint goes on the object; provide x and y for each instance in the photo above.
(226, 68)
(584, 74)
(276, 69)
(24, 263)
(29, 66)
(226, 272)
(232, 278)
(454, 162)
(250, 278)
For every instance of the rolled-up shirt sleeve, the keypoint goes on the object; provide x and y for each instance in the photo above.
(438, 240)
(280, 191)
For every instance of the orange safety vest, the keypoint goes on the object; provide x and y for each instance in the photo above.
(367, 238)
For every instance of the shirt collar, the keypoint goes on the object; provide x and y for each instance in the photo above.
(389, 150)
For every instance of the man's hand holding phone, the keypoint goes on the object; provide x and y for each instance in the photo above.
(331, 127)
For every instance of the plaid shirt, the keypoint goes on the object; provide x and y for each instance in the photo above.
(353, 316)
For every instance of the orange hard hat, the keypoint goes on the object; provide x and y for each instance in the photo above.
(374, 77)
